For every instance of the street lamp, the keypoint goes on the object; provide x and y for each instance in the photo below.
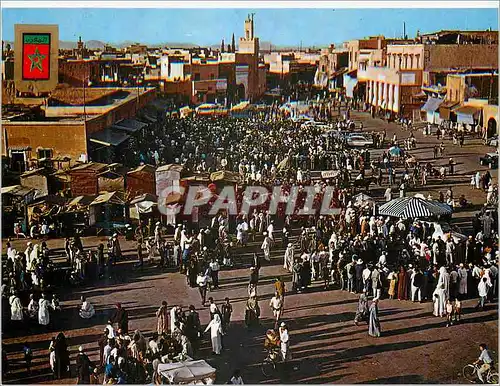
(138, 81)
(85, 82)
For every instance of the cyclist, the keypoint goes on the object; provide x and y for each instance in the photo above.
(484, 357)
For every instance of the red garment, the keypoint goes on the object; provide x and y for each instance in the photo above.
(402, 285)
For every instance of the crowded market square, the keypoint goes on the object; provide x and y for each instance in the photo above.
(279, 230)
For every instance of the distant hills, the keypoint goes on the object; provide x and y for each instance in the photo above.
(99, 45)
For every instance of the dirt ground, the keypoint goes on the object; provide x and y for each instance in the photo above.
(415, 347)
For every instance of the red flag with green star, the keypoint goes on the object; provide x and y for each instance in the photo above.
(36, 56)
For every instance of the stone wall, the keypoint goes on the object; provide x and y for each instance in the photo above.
(451, 56)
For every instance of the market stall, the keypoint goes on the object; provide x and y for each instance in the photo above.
(185, 111)
(187, 372)
(47, 208)
(225, 176)
(15, 200)
(241, 110)
(211, 109)
(414, 207)
(144, 207)
(77, 213)
(108, 212)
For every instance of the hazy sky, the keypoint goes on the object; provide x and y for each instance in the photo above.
(314, 27)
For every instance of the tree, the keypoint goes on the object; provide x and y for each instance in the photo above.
(222, 46)
(233, 44)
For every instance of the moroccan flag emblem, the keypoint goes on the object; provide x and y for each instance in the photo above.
(36, 56)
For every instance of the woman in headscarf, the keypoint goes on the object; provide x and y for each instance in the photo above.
(362, 311)
(374, 323)
(402, 284)
(444, 281)
(33, 307)
(442, 292)
(252, 311)
(16, 308)
(462, 281)
(187, 348)
(33, 258)
(61, 356)
(266, 247)
(87, 309)
(162, 319)
(43, 311)
(288, 261)
(393, 279)
(138, 346)
(439, 305)
(215, 327)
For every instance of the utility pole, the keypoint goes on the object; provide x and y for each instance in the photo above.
(137, 83)
(84, 102)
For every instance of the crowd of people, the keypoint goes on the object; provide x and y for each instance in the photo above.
(377, 257)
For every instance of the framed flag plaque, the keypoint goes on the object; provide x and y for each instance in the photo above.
(36, 56)
(36, 51)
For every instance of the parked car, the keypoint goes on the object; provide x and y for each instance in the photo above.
(358, 140)
(493, 141)
(302, 119)
(321, 125)
(490, 160)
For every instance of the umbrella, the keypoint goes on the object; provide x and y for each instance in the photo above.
(185, 372)
(361, 198)
(414, 207)
(395, 150)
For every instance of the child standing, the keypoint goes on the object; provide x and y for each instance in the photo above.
(449, 313)
(457, 312)
(28, 356)
(227, 310)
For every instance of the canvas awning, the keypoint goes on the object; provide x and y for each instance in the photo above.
(144, 197)
(108, 137)
(350, 84)
(224, 175)
(432, 105)
(340, 72)
(79, 203)
(17, 190)
(186, 372)
(19, 148)
(467, 114)
(205, 177)
(145, 203)
(445, 110)
(108, 197)
(414, 207)
(130, 125)
(241, 106)
(170, 168)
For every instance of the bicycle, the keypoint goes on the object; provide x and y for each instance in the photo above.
(470, 373)
(269, 364)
